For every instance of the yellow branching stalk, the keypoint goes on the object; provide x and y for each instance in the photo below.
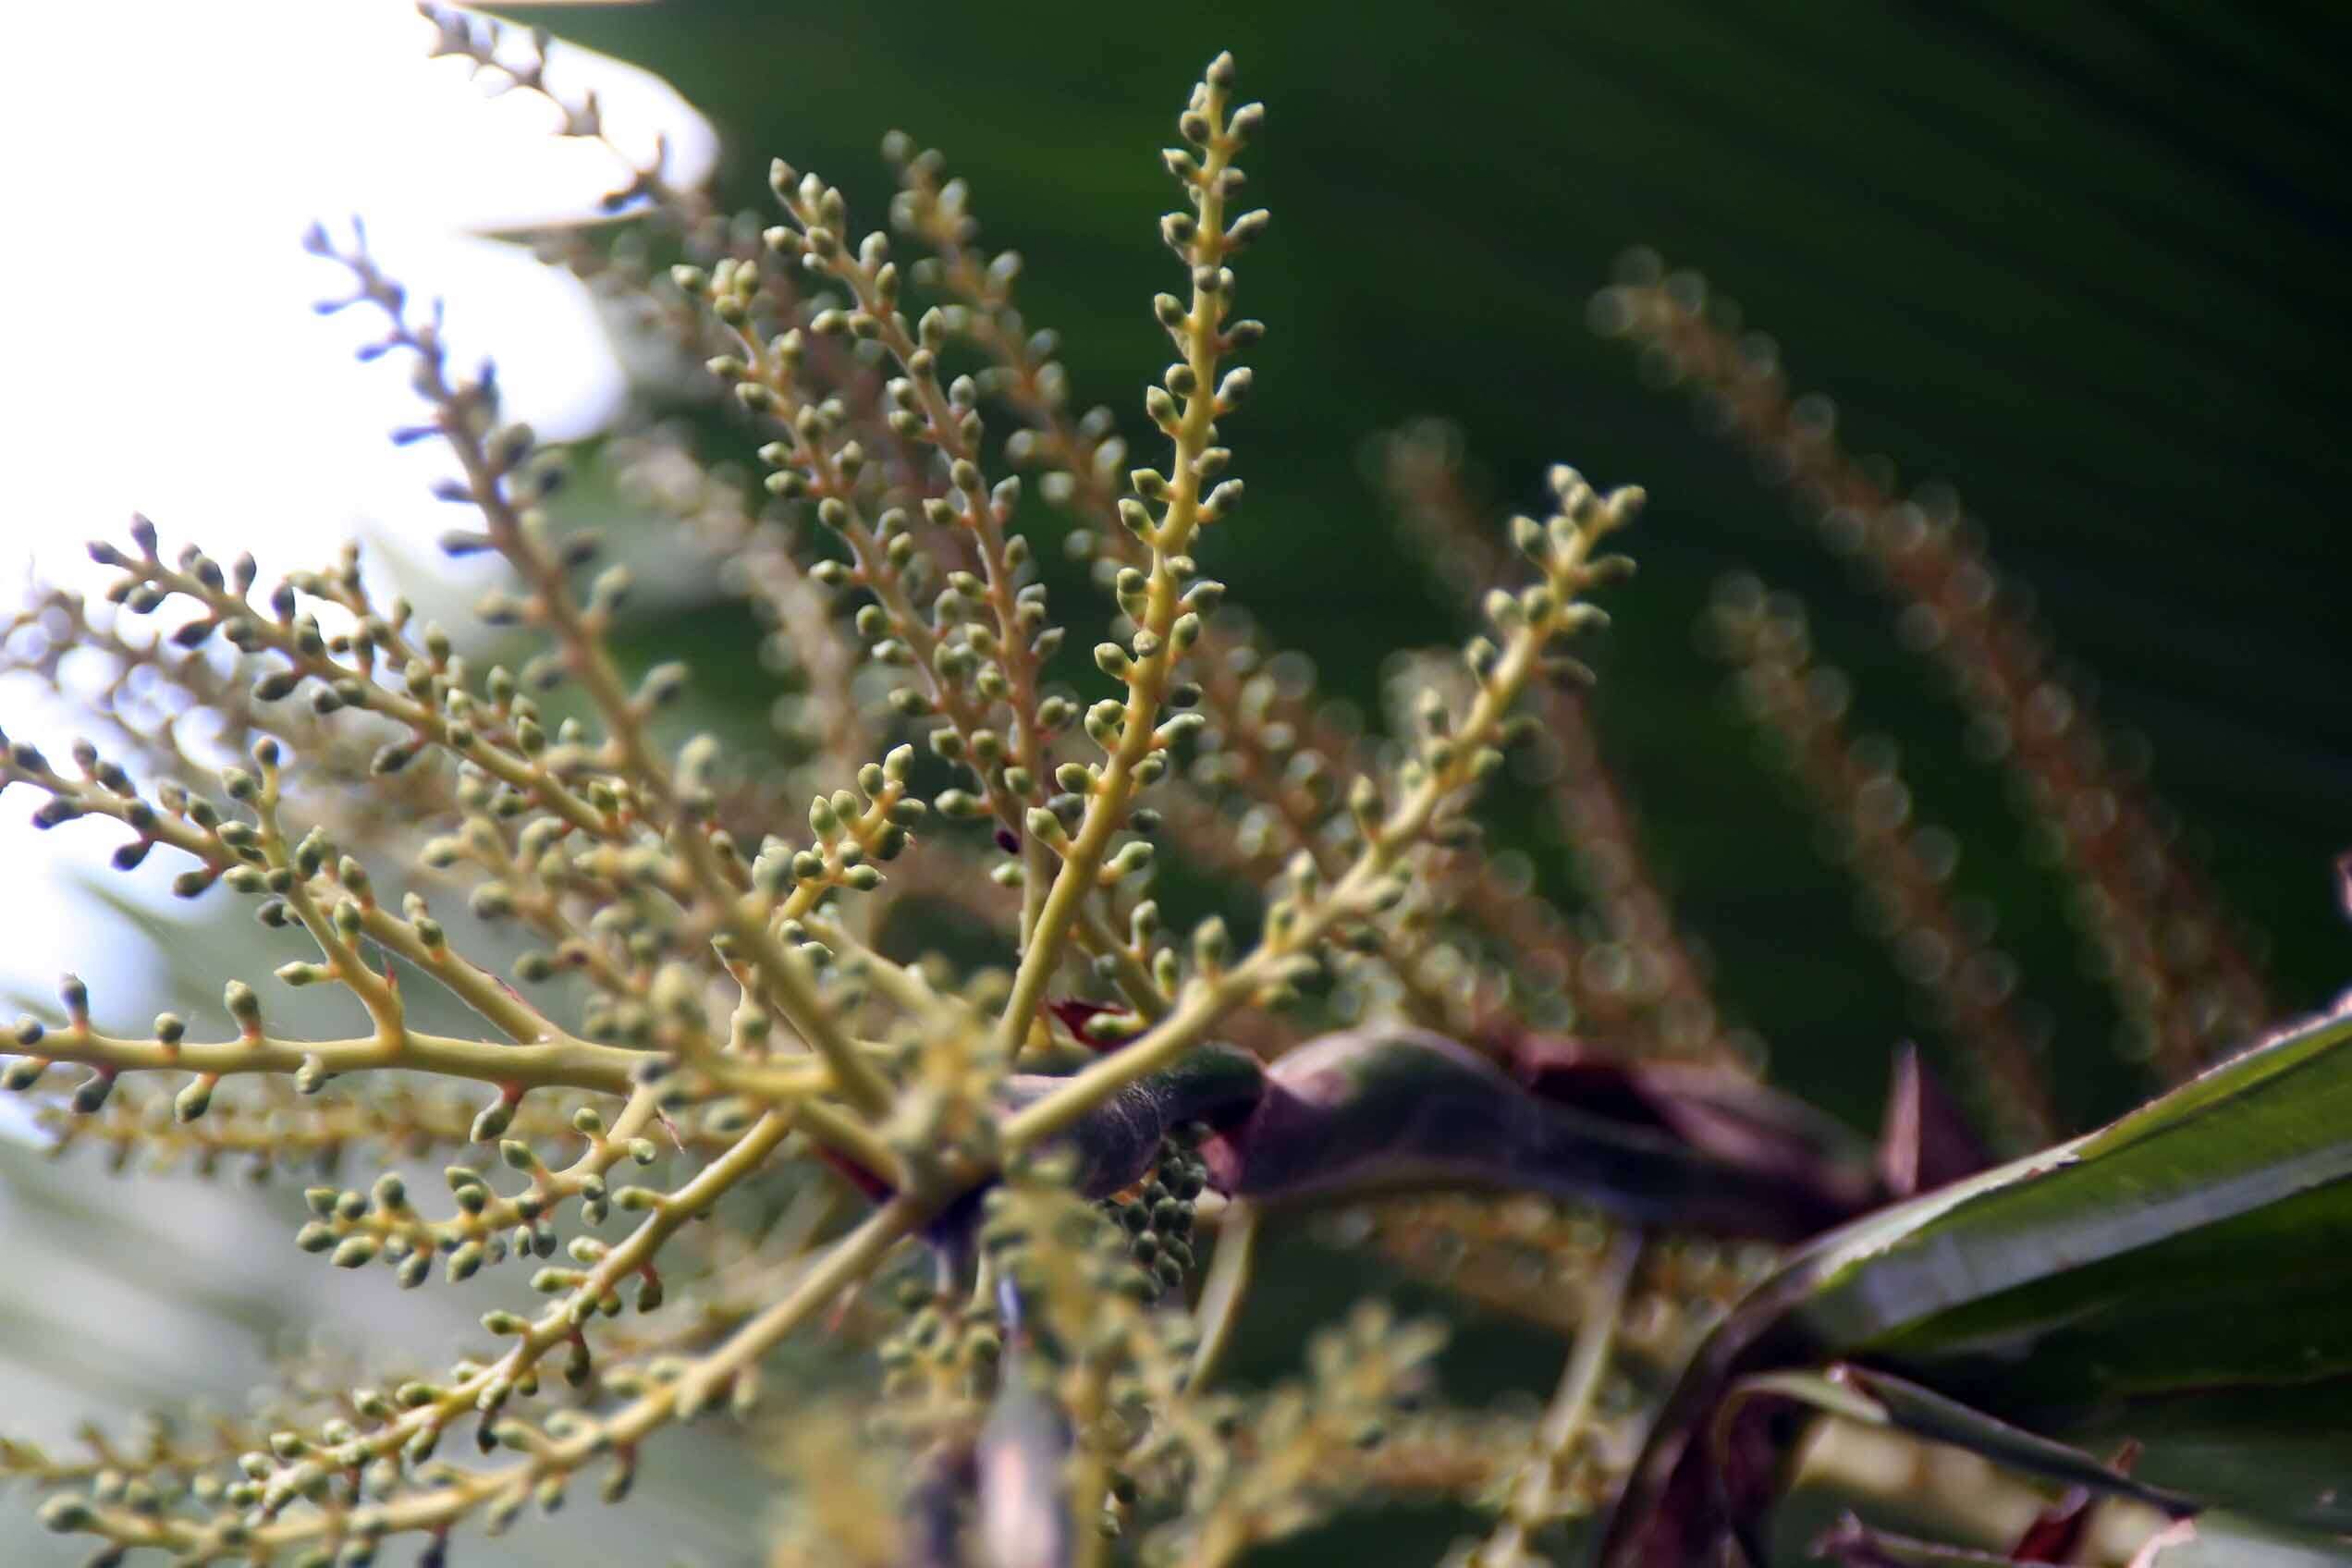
(1644, 974)
(738, 1009)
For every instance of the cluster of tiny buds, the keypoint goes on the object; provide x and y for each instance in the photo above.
(1157, 1218)
(968, 658)
(709, 953)
(1535, 618)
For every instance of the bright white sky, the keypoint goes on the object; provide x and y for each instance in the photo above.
(157, 348)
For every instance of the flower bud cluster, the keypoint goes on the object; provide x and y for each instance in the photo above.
(699, 1035)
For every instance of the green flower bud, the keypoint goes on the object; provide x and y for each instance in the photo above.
(63, 1516)
(495, 1119)
(91, 1094)
(354, 1252)
(193, 1100)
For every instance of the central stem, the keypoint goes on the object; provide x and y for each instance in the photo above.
(1149, 675)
